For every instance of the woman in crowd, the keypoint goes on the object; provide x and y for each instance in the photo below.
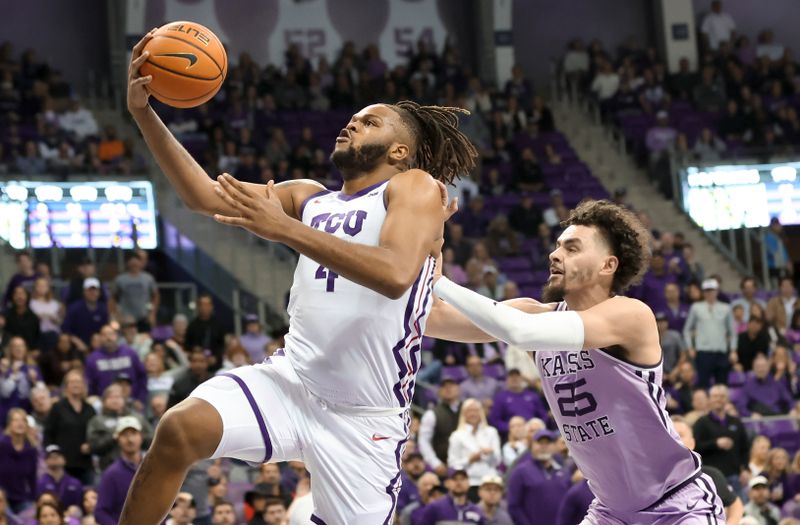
(18, 461)
(474, 446)
(18, 376)
(517, 442)
(49, 311)
(776, 471)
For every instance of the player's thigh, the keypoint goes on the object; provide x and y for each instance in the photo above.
(259, 411)
(355, 467)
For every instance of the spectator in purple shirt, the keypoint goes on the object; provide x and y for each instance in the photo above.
(661, 137)
(675, 310)
(105, 364)
(537, 484)
(491, 495)
(515, 400)
(575, 504)
(477, 385)
(18, 458)
(6, 517)
(85, 318)
(18, 376)
(651, 291)
(765, 395)
(454, 507)
(430, 489)
(254, 340)
(113, 486)
(413, 469)
(474, 220)
(24, 277)
(68, 489)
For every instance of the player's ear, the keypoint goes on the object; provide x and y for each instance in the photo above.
(610, 265)
(399, 153)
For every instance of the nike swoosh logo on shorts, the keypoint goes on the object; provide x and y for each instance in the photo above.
(376, 437)
(191, 57)
(692, 506)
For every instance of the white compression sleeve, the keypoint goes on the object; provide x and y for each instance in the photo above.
(546, 331)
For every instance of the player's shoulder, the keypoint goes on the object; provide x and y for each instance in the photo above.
(630, 307)
(415, 183)
(305, 185)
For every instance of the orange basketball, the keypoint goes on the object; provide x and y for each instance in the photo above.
(188, 64)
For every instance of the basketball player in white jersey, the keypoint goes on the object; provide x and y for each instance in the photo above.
(337, 396)
(599, 357)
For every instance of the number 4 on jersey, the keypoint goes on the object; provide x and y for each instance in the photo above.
(330, 275)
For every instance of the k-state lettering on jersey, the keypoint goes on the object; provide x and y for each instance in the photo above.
(613, 417)
(349, 344)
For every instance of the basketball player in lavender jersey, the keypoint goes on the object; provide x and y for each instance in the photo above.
(337, 396)
(599, 357)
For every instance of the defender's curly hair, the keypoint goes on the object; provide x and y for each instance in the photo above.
(441, 148)
(627, 237)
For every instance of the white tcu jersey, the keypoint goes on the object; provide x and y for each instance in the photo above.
(349, 344)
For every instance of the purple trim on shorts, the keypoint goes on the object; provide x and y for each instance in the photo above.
(361, 192)
(316, 519)
(261, 425)
(305, 201)
(390, 487)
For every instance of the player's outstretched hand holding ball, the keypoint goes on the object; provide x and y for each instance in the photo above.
(260, 212)
(137, 91)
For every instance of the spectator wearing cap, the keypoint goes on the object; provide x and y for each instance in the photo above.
(206, 331)
(781, 308)
(752, 342)
(24, 276)
(455, 507)
(766, 395)
(132, 337)
(20, 319)
(117, 478)
(710, 336)
(673, 348)
(536, 486)
(660, 139)
(68, 489)
(722, 438)
(254, 340)
(515, 400)
(576, 501)
(491, 495)
(184, 510)
(74, 292)
(759, 506)
(135, 294)
(474, 446)
(437, 424)
(429, 488)
(413, 469)
(489, 286)
(748, 288)
(67, 424)
(105, 364)
(189, 379)
(101, 428)
(477, 385)
(86, 317)
(223, 513)
(18, 460)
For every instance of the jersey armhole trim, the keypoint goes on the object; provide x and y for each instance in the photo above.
(305, 201)
(621, 360)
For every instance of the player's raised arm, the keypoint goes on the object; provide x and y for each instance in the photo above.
(188, 178)
(618, 321)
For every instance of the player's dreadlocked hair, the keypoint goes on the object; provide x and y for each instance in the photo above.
(441, 149)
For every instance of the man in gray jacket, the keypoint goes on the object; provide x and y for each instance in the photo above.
(100, 431)
(711, 336)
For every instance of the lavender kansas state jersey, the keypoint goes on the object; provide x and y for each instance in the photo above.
(349, 344)
(612, 415)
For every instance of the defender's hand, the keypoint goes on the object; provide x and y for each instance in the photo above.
(137, 85)
(261, 214)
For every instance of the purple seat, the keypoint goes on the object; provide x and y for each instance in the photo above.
(522, 278)
(457, 373)
(511, 264)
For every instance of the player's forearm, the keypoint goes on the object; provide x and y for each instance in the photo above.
(193, 185)
(549, 330)
(447, 323)
(378, 268)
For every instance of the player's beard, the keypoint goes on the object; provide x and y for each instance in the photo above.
(553, 293)
(354, 162)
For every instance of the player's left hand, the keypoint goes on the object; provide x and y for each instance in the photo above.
(449, 206)
(259, 213)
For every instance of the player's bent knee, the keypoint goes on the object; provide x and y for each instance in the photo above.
(189, 431)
